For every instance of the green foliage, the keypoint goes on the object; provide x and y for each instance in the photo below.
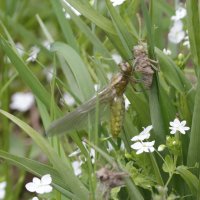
(79, 56)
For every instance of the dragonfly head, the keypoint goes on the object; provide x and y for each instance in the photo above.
(125, 68)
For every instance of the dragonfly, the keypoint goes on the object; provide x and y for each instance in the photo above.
(112, 94)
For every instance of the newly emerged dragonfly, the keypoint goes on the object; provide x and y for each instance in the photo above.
(112, 94)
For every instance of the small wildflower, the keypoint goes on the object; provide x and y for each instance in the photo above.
(143, 147)
(117, 58)
(127, 102)
(176, 34)
(161, 147)
(20, 49)
(40, 186)
(109, 75)
(117, 2)
(47, 44)
(22, 101)
(35, 198)
(96, 87)
(174, 142)
(186, 42)
(167, 52)
(176, 125)
(69, 100)
(48, 72)
(180, 14)
(143, 135)
(33, 54)
(2, 190)
(77, 167)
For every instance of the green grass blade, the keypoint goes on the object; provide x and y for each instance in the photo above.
(126, 38)
(88, 33)
(193, 30)
(191, 180)
(77, 67)
(65, 25)
(193, 24)
(154, 94)
(93, 16)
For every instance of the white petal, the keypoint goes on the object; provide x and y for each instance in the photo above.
(35, 198)
(161, 147)
(76, 167)
(137, 145)
(135, 138)
(44, 189)
(47, 188)
(40, 190)
(22, 101)
(46, 179)
(2, 194)
(36, 181)
(3, 185)
(31, 187)
(183, 123)
(173, 131)
(139, 151)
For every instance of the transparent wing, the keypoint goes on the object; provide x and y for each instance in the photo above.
(76, 118)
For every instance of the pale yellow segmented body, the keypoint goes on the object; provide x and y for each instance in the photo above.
(117, 105)
(117, 108)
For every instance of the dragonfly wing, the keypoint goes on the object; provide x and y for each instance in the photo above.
(77, 118)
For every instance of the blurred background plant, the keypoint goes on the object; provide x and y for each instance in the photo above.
(55, 55)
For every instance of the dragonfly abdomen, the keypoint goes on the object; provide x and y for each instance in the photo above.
(117, 115)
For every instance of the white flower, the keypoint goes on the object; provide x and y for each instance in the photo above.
(22, 101)
(96, 87)
(176, 34)
(176, 125)
(47, 44)
(143, 135)
(127, 102)
(167, 52)
(180, 14)
(186, 42)
(20, 49)
(48, 72)
(117, 58)
(33, 54)
(161, 147)
(77, 167)
(69, 100)
(35, 198)
(109, 75)
(143, 147)
(117, 2)
(2, 190)
(72, 8)
(40, 186)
